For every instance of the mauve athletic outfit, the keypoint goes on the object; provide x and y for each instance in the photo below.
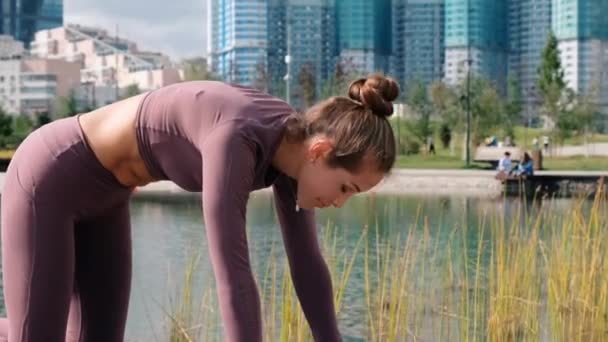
(66, 240)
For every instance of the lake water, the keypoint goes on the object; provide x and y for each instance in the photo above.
(166, 232)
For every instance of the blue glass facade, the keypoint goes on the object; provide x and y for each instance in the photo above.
(478, 27)
(311, 43)
(364, 27)
(23, 18)
(480, 23)
(418, 41)
(580, 19)
(238, 39)
(277, 46)
(529, 27)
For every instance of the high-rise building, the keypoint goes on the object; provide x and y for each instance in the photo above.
(581, 29)
(23, 18)
(238, 40)
(310, 40)
(529, 27)
(418, 41)
(364, 34)
(476, 32)
(277, 46)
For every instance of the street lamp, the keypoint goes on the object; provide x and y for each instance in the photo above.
(287, 77)
(469, 62)
(468, 138)
(466, 101)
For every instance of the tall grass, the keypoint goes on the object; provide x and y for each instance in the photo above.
(538, 275)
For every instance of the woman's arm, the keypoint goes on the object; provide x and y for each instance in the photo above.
(228, 173)
(310, 275)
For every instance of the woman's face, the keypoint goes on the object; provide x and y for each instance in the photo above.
(321, 186)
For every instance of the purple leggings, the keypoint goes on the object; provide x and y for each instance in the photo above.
(66, 241)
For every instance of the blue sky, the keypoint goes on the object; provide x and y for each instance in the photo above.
(176, 28)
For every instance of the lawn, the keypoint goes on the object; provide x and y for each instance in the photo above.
(446, 160)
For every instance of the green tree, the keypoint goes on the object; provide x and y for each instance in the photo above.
(307, 85)
(196, 69)
(6, 128)
(445, 103)
(337, 84)
(551, 82)
(445, 134)
(261, 77)
(66, 105)
(42, 119)
(22, 126)
(487, 109)
(419, 103)
(513, 106)
(582, 114)
(131, 90)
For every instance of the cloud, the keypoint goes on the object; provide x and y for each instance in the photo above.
(178, 30)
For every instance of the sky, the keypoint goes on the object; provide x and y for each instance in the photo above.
(176, 28)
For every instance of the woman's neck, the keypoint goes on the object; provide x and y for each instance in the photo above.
(289, 158)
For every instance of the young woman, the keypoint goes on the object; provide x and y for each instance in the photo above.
(66, 243)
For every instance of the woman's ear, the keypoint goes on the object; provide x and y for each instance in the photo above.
(319, 148)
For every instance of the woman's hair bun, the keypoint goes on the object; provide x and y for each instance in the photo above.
(375, 92)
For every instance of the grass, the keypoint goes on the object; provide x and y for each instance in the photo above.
(439, 161)
(540, 275)
(444, 160)
(592, 163)
(523, 137)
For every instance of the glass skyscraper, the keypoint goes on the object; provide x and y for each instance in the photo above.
(529, 26)
(311, 44)
(364, 34)
(476, 30)
(238, 39)
(277, 46)
(418, 41)
(581, 28)
(23, 18)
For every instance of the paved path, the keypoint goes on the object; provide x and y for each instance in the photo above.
(403, 182)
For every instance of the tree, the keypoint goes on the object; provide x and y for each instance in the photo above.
(513, 106)
(196, 69)
(261, 77)
(445, 134)
(307, 85)
(581, 115)
(418, 100)
(487, 109)
(42, 119)
(22, 126)
(66, 105)
(337, 84)
(131, 90)
(551, 82)
(6, 127)
(445, 104)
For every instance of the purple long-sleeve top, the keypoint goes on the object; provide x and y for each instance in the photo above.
(220, 139)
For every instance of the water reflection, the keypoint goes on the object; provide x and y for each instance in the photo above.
(168, 230)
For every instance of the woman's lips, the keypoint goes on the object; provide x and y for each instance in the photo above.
(322, 204)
